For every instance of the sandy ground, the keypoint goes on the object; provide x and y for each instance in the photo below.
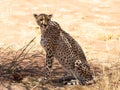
(95, 24)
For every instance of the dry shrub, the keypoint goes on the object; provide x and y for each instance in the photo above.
(16, 64)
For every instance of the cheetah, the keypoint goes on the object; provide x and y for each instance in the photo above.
(60, 45)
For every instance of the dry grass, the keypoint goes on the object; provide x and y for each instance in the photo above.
(21, 70)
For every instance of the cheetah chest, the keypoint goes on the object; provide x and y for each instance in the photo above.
(43, 41)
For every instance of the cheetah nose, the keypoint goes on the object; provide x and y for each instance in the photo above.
(45, 25)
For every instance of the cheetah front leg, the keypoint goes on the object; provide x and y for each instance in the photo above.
(48, 66)
(49, 62)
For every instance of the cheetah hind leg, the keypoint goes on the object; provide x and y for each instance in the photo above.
(68, 80)
(79, 80)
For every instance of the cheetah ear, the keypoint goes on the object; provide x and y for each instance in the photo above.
(35, 15)
(50, 16)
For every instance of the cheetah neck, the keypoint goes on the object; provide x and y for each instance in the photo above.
(43, 30)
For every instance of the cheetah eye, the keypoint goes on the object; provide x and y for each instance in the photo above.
(41, 19)
(48, 19)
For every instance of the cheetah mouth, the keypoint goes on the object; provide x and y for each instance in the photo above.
(44, 26)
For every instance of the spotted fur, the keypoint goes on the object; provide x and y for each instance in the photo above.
(60, 45)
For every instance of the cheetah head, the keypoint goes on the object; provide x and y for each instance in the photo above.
(43, 20)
